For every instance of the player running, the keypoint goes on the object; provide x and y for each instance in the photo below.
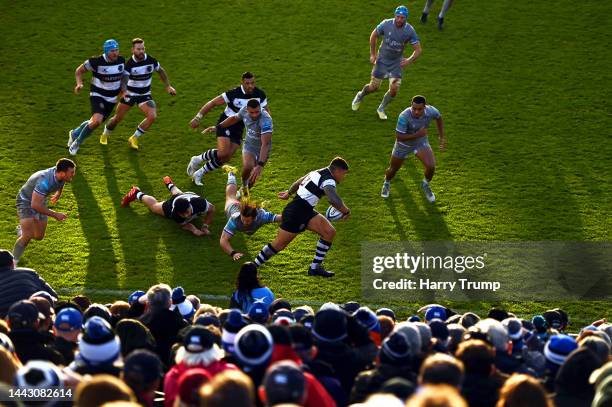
(182, 207)
(32, 207)
(107, 71)
(445, 6)
(258, 143)
(411, 138)
(395, 33)
(300, 214)
(230, 138)
(242, 215)
(137, 91)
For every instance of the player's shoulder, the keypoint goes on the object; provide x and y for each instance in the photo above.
(234, 92)
(432, 110)
(259, 93)
(120, 60)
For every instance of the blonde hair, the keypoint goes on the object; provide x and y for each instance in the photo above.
(437, 396)
(101, 389)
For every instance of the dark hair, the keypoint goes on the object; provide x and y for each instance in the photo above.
(246, 281)
(340, 163)
(180, 205)
(248, 75)
(248, 209)
(477, 357)
(6, 258)
(137, 40)
(442, 369)
(419, 100)
(64, 164)
(253, 103)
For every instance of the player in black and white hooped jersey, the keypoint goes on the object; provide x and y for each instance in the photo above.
(138, 75)
(230, 138)
(107, 72)
(300, 214)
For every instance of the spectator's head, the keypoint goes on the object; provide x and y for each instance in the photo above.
(98, 310)
(435, 312)
(439, 331)
(229, 388)
(208, 318)
(425, 334)
(9, 364)
(539, 324)
(142, 371)
(23, 315)
(399, 387)
(199, 347)
(386, 325)
(553, 319)
(195, 301)
(232, 325)
(350, 307)
(386, 312)
(455, 334)
(277, 304)
(135, 296)
(46, 310)
(303, 342)
(189, 384)
(247, 278)
(254, 346)
(412, 334)
(469, 319)
(557, 349)
(600, 347)
(599, 375)
(185, 307)
(477, 357)
(98, 344)
(43, 294)
(441, 369)
(330, 326)
(258, 312)
(120, 310)
(522, 390)
(283, 383)
(437, 396)
(498, 314)
(39, 374)
(82, 301)
(367, 318)
(396, 350)
(573, 375)
(514, 328)
(302, 311)
(283, 317)
(603, 394)
(102, 388)
(7, 262)
(133, 335)
(496, 331)
(68, 323)
(159, 297)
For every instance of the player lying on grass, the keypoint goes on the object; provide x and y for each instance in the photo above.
(182, 207)
(243, 215)
(300, 214)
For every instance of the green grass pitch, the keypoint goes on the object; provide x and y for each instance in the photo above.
(523, 86)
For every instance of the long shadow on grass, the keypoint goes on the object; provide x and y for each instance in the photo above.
(137, 246)
(101, 262)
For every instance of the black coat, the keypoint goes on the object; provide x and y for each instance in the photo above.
(164, 326)
(480, 391)
(66, 348)
(18, 284)
(370, 381)
(31, 345)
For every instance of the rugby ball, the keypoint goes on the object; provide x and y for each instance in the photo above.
(333, 214)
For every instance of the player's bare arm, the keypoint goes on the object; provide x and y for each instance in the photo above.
(266, 139)
(164, 77)
(441, 134)
(335, 200)
(78, 75)
(224, 242)
(373, 41)
(416, 52)
(38, 204)
(208, 106)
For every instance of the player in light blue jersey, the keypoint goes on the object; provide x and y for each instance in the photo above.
(445, 6)
(242, 215)
(31, 204)
(395, 33)
(411, 138)
(258, 143)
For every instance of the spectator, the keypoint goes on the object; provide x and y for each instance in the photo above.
(18, 283)
(603, 394)
(198, 350)
(189, 385)
(231, 388)
(556, 351)
(9, 364)
(412, 332)
(99, 349)
(163, 323)
(482, 383)
(521, 390)
(102, 389)
(599, 347)
(231, 326)
(249, 289)
(67, 328)
(386, 326)
(143, 372)
(253, 351)
(279, 303)
(119, 310)
(284, 383)
(572, 385)
(133, 335)
(302, 311)
(441, 369)
(195, 301)
(437, 396)
(30, 344)
(468, 319)
(386, 312)
(259, 313)
(400, 388)
(184, 306)
(366, 317)
(455, 336)
(504, 361)
(394, 360)
(82, 301)
(48, 314)
(440, 335)
(39, 374)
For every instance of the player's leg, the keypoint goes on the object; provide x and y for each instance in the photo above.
(425, 154)
(27, 231)
(283, 238)
(215, 158)
(398, 156)
(426, 9)
(368, 88)
(172, 188)
(231, 188)
(150, 111)
(445, 7)
(394, 85)
(248, 163)
(120, 113)
(101, 109)
(320, 225)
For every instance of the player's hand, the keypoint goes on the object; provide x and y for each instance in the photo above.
(421, 132)
(255, 174)
(204, 230)
(346, 215)
(283, 195)
(60, 216)
(405, 62)
(442, 143)
(237, 256)
(54, 198)
(78, 88)
(171, 91)
(209, 130)
(373, 58)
